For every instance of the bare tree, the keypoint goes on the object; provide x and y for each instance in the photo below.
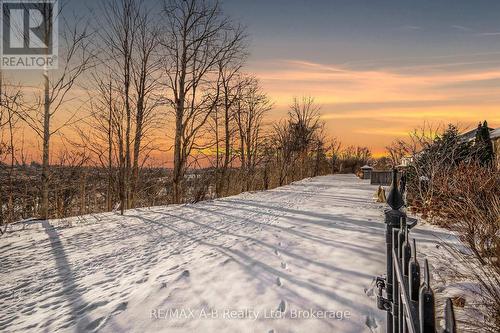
(229, 67)
(285, 157)
(76, 57)
(251, 107)
(400, 149)
(118, 39)
(352, 158)
(319, 143)
(11, 99)
(145, 66)
(3, 150)
(304, 122)
(129, 46)
(296, 137)
(334, 149)
(196, 41)
(98, 135)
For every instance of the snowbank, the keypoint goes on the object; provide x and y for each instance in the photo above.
(300, 258)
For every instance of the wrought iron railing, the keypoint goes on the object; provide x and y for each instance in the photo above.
(409, 302)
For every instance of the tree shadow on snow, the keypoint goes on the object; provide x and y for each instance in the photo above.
(69, 287)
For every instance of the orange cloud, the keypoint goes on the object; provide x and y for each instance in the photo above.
(369, 107)
(373, 107)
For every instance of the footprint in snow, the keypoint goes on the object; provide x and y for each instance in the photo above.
(278, 282)
(95, 324)
(282, 306)
(276, 252)
(142, 280)
(184, 274)
(371, 322)
(369, 291)
(119, 308)
(227, 261)
(284, 265)
(101, 321)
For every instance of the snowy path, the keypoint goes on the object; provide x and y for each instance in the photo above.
(314, 245)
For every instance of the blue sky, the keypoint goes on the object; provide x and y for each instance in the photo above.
(357, 30)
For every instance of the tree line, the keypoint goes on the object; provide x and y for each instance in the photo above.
(136, 72)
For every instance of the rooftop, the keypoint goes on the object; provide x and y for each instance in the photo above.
(471, 135)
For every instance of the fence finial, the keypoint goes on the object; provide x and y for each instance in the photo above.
(414, 274)
(426, 304)
(427, 277)
(449, 318)
(395, 199)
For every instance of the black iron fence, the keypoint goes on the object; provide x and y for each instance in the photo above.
(409, 299)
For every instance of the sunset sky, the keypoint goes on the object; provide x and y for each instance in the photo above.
(377, 68)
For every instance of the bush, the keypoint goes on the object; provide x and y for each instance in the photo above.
(450, 185)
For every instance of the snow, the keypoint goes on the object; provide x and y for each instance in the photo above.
(300, 258)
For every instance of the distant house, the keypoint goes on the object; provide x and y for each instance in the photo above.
(406, 161)
(494, 136)
(471, 135)
(367, 172)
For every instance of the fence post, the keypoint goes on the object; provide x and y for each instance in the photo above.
(414, 274)
(449, 318)
(395, 285)
(406, 254)
(426, 304)
(401, 237)
(405, 263)
(392, 220)
(410, 305)
(403, 231)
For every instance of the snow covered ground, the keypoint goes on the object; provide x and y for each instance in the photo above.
(300, 258)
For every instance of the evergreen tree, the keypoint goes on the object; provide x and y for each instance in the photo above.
(447, 149)
(484, 146)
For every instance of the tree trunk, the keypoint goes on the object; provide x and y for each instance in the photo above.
(44, 214)
(178, 160)
(121, 176)
(137, 150)
(318, 160)
(217, 156)
(250, 157)
(127, 136)
(109, 194)
(227, 141)
(83, 191)
(243, 159)
(1, 183)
